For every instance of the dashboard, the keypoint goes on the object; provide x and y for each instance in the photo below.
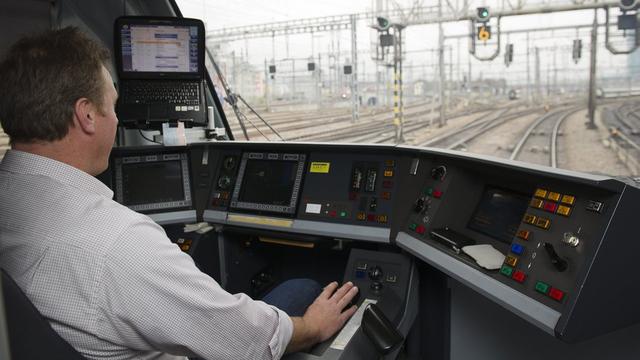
(551, 246)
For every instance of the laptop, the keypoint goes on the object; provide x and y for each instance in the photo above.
(160, 64)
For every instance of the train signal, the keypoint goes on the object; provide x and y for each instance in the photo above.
(272, 69)
(383, 23)
(311, 66)
(577, 50)
(508, 55)
(627, 5)
(483, 14)
(348, 69)
(484, 32)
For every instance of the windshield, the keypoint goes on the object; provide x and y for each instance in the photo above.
(526, 85)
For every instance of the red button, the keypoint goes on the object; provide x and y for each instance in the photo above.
(437, 194)
(332, 213)
(371, 217)
(387, 184)
(556, 294)
(352, 195)
(550, 206)
(421, 229)
(519, 276)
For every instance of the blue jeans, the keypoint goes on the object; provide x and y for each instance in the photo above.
(294, 296)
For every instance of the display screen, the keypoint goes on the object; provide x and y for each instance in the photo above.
(268, 182)
(159, 48)
(157, 182)
(166, 187)
(499, 214)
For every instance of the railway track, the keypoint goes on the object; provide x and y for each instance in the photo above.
(541, 138)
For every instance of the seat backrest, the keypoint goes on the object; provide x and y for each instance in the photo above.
(30, 335)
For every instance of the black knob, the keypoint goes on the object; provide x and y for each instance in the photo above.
(375, 273)
(376, 286)
(224, 182)
(439, 172)
(418, 206)
(559, 263)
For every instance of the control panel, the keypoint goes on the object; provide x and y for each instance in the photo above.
(549, 245)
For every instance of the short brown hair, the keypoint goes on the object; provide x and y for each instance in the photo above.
(42, 77)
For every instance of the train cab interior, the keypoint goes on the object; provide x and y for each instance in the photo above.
(457, 255)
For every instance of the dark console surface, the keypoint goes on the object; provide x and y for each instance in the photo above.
(563, 241)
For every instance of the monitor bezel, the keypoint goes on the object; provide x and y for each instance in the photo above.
(167, 21)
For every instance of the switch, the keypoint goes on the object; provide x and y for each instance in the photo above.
(530, 219)
(511, 260)
(519, 276)
(373, 204)
(439, 173)
(559, 263)
(542, 287)
(556, 294)
(391, 278)
(418, 205)
(517, 249)
(568, 199)
(506, 270)
(523, 234)
(595, 206)
(564, 210)
(550, 207)
(553, 196)
(541, 193)
(536, 203)
(543, 223)
(375, 273)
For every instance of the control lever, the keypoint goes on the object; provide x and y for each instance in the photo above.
(384, 336)
(559, 263)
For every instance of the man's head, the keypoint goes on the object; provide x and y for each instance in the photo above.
(58, 98)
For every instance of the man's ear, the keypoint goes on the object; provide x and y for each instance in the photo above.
(84, 112)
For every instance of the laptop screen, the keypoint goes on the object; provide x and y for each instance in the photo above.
(159, 47)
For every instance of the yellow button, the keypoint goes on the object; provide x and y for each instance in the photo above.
(541, 193)
(536, 203)
(361, 215)
(564, 210)
(388, 173)
(382, 218)
(386, 195)
(568, 199)
(511, 260)
(553, 196)
(523, 234)
(390, 163)
(543, 223)
(530, 219)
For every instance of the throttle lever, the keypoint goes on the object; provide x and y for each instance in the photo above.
(559, 263)
(382, 333)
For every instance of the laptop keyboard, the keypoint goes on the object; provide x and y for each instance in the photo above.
(162, 92)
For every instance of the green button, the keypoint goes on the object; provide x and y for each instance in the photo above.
(428, 191)
(542, 287)
(343, 214)
(413, 226)
(506, 270)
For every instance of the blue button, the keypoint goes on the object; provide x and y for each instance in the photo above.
(360, 274)
(517, 249)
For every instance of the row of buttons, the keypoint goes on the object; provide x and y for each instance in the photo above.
(517, 275)
(382, 218)
(554, 196)
(540, 222)
(550, 291)
(433, 192)
(420, 229)
(550, 207)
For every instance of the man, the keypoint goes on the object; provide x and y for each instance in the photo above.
(108, 279)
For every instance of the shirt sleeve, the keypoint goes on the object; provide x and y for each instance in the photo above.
(155, 298)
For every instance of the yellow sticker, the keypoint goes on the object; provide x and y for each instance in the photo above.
(320, 167)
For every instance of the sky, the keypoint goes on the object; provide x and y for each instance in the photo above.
(420, 41)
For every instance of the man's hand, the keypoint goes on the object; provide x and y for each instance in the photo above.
(324, 317)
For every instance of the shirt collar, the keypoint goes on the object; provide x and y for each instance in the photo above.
(26, 163)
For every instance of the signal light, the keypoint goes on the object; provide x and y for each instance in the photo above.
(508, 55)
(383, 23)
(272, 69)
(483, 14)
(311, 66)
(577, 50)
(347, 70)
(484, 33)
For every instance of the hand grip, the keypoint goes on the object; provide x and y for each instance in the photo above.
(382, 333)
